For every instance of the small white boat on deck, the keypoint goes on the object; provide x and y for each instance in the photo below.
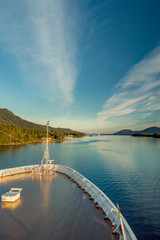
(12, 195)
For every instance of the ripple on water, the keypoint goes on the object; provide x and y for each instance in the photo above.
(126, 169)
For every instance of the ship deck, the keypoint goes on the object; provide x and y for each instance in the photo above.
(51, 207)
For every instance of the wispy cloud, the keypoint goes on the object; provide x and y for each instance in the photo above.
(144, 115)
(138, 92)
(42, 39)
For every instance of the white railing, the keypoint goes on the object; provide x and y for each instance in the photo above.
(13, 171)
(100, 199)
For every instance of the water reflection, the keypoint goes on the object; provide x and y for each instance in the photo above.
(10, 148)
(45, 184)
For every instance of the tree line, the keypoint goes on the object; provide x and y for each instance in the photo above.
(12, 134)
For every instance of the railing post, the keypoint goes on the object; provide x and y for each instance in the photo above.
(120, 216)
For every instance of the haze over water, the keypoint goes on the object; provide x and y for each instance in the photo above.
(125, 168)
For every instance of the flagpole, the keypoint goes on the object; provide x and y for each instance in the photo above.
(47, 147)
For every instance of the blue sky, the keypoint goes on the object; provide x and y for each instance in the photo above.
(88, 65)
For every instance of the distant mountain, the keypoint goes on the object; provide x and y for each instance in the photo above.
(124, 132)
(150, 130)
(9, 118)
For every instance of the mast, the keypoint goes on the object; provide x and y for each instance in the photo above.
(46, 157)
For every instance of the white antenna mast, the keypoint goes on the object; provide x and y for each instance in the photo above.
(46, 157)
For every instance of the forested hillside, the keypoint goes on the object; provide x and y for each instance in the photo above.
(15, 130)
(11, 134)
(8, 118)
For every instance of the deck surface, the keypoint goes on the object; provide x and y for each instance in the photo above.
(50, 207)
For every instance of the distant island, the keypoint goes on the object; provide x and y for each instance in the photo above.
(15, 130)
(148, 132)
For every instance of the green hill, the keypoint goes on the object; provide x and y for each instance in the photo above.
(15, 130)
(10, 118)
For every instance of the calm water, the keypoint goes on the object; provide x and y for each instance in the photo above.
(126, 169)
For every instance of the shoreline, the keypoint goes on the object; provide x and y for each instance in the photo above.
(36, 142)
(24, 143)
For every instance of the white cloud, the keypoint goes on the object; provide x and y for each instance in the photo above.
(133, 95)
(144, 115)
(138, 92)
(41, 37)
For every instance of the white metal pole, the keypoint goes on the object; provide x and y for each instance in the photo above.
(47, 148)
